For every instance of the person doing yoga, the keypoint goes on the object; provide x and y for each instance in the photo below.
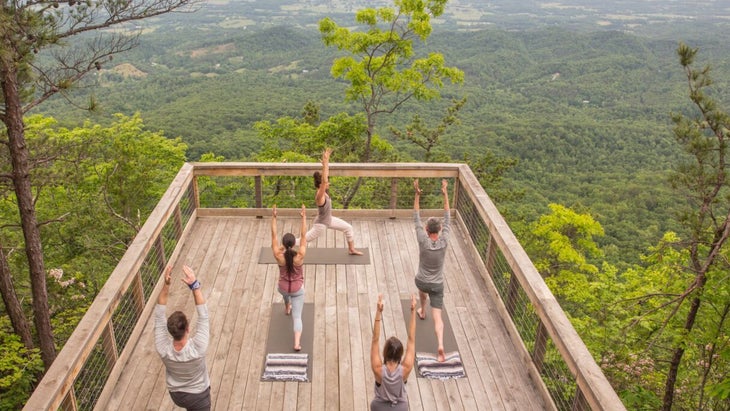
(324, 218)
(291, 272)
(392, 370)
(433, 238)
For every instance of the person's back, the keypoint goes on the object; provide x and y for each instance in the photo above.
(186, 369)
(186, 373)
(392, 370)
(391, 393)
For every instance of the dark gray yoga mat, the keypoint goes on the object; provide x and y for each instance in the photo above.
(425, 336)
(281, 333)
(317, 255)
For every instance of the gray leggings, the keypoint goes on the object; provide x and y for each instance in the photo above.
(297, 305)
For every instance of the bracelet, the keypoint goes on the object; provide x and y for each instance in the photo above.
(195, 285)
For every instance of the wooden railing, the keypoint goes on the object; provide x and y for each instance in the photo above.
(94, 355)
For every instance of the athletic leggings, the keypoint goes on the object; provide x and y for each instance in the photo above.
(335, 224)
(297, 305)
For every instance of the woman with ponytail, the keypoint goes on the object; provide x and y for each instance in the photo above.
(291, 272)
(391, 371)
(324, 218)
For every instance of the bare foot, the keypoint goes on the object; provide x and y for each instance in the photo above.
(421, 313)
(355, 252)
(298, 348)
(441, 357)
(287, 309)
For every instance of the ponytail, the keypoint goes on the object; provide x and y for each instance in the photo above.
(288, 241)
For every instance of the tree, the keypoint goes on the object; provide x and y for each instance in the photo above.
(27, 28)
(103, 182)
(702, 181)
(382, 69)
(427, 138)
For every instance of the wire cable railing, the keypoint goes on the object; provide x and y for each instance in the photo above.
(95, 353)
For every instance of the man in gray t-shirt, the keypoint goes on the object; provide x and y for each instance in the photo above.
(433, 238)
(184, 354)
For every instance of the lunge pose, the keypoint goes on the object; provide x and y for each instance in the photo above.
(184, 356)
(291, 272)
(324, 217)
(433, 238)
(392, 370)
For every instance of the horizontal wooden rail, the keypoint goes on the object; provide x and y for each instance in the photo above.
(473, 208)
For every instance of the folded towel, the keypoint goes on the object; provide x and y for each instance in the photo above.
(286, 367)
(430, 367)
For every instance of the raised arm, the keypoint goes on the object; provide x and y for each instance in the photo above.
(322, 189)
(410, 359)
(162, 298)
(445, 192)
(194, 285)
(326, 165)
(375, 361)
(417, 198)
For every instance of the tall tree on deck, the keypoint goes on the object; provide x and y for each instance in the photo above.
(382, 68)
(45, 48)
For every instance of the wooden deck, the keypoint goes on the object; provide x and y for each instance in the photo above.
(240, 292)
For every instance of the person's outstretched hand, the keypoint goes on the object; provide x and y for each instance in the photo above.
(302, 213)
(189, 275)
(444, 186)
(380, 303)
(415, 186)
(413, 302)
(326, 155)
(273, 212)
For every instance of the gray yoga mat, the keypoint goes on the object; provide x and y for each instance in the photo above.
(322, 256)
(425, 336)
(281, 333)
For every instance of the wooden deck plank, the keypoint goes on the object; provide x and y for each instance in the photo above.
(240, 293)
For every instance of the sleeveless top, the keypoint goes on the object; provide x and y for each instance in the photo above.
(392, 389)
(291, 283)
(324, 212)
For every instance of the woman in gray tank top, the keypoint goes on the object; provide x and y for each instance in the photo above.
(392, 370)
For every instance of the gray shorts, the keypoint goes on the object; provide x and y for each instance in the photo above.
(435, 292)
(192, 402)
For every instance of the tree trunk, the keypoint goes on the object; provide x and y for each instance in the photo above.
(19, 156)
(12, 304)
(679, 351)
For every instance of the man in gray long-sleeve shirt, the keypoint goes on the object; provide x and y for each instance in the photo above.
(432, 239)
(184, 356)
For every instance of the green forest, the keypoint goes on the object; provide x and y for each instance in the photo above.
(604, 150)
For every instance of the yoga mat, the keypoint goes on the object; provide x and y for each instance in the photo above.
(280, 339)
(322, 256)
(425, 336)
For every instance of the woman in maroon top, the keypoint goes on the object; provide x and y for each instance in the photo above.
(291, 272)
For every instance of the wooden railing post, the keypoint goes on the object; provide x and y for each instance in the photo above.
(109, 344)
(138, 294)
(258, 193)
(579, 402)
(178, 222)
(160, 251)
(455, 199)
(538, 352)
(393, 196)
(69, 402)
(194, 194)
